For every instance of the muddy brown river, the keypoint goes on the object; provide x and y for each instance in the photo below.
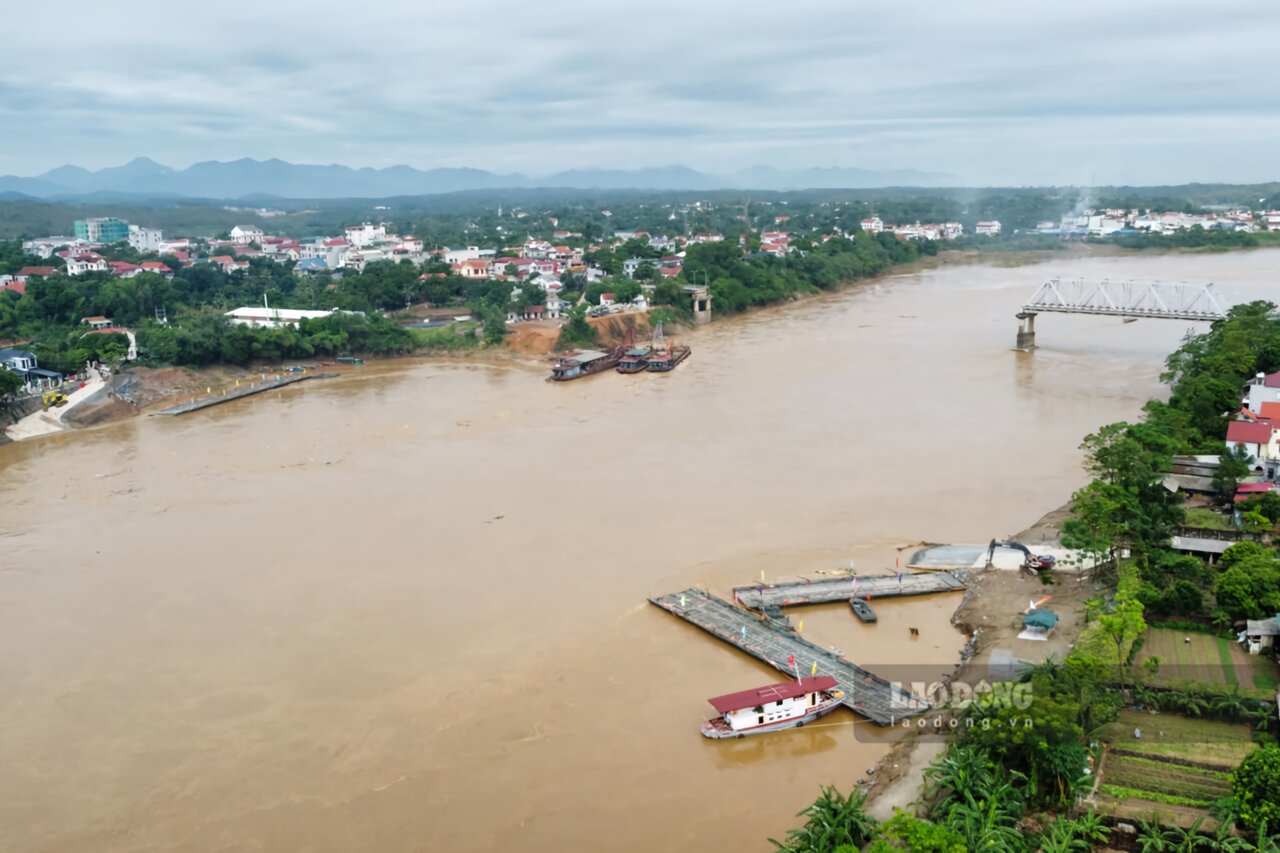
(406, 610)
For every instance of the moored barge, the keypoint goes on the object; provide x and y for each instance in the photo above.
(575, 365)
(769, 709)
(636, 360)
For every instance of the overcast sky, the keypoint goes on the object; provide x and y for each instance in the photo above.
(990, 92)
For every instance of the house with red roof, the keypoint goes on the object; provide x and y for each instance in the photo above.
(475, 268)
(40, 272)
(158, 267)
(1260, 439)
(123, 269)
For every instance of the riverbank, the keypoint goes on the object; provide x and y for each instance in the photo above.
(142, 390)
(990, 614)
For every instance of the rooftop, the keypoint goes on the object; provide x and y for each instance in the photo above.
(772, 693)
(1249, 432)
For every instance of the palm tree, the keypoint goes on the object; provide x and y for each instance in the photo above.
(1049, 668)
(1188, 840)
(986, 825)
(832, 820)
(1062, 838)
(1193, 705)
(1091, 829)
(1228, 706)
(1154, 838)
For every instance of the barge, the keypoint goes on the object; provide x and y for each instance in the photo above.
(636, 360)
(575, 365)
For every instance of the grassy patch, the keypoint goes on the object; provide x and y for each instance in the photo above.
(1228, 667)
(451, 338)
(1206, 518)
(1264, 675)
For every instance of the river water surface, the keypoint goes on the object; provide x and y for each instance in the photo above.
(405, 610)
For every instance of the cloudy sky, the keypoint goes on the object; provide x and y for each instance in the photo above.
(990, 92)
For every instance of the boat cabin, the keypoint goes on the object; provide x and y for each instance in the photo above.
(776, 703)
(571, 366)
(635, 360)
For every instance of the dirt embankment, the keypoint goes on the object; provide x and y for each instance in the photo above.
(139, 388)
(538, 339)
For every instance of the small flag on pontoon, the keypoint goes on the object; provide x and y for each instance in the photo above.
(813, 670)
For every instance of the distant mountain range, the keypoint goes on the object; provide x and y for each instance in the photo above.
(232, 180)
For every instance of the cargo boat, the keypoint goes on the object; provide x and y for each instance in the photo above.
(575, 365)
(788, 705)
(668, 359)
(635, 361)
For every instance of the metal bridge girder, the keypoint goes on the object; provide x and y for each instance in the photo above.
(1156, 300)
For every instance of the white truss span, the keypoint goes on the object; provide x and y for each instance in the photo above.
(1127, 299)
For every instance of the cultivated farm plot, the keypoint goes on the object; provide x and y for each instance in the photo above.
(1176, 767)
(1197, 785)
(1175, 736)
(1205, 660)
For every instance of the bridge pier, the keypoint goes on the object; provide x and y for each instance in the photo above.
(1026, 331)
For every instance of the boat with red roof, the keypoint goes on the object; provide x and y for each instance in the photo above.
(773, 708)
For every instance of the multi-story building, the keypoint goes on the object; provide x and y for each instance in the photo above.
(146, 240)
(102, 229)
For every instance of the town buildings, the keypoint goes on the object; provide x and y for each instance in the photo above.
(102, 229)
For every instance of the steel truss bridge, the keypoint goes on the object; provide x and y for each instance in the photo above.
(1153, 299)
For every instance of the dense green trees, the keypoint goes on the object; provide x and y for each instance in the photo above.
(207, 338)
(1256, 787)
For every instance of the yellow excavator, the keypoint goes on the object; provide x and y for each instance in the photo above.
(53, 398)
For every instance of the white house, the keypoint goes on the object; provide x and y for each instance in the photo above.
(246, 234)
(872, 225)
(988, 228)
(85, 262)
(145, 239)
(364, 235)
(1263, 388)
(457, 256)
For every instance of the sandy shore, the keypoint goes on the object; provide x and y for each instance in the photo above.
(54, 420)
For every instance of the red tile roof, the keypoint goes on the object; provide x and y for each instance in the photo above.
(772, 693)
(18, 287)
(43, 272)
(156, 266)
(1248, 432)
(1272, 380)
